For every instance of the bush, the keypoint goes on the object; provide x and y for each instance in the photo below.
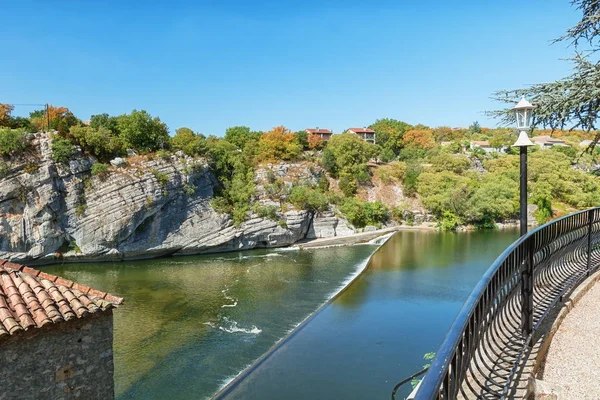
(163, 155)
(13, 142)
(101, 142)
(450, 221)
(31, 168)
(3, 170)
(306, 198)
(323, 184)
(361, 214)
(348, 185)
(411, 178)
(62, 150)
(161, 177)
(267, 212)
(100, 169)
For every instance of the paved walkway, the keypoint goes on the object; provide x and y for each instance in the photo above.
(573, 360)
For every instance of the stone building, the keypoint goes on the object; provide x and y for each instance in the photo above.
(56, 337)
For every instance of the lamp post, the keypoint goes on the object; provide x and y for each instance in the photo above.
(524, 114)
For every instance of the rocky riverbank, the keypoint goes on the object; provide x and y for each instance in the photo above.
(140, 208)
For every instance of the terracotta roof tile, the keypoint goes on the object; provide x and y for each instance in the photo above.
(361, 130)
(30, 298)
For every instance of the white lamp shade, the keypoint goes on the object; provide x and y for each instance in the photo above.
(524, 114)
(523, 140)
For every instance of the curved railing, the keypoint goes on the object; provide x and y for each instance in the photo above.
(484, 350)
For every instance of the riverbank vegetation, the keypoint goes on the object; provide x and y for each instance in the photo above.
(439, 169)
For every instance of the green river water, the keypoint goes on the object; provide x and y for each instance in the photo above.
(190, 324)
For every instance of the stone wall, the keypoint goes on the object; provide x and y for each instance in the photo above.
(68, 360)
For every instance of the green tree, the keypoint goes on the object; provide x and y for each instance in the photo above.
(241, 135)
(573, 100)
(105, 121)
(389, 133)
(143, 132)
(189, 142)
(100, 142)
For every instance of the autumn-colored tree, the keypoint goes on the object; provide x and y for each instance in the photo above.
(5, 111)
(61, 119)
(315, 142)
(421, 138)
(278, 144)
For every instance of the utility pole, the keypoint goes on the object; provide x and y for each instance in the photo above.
(47, 117)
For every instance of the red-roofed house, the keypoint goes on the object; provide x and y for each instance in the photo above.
(56, 337)
(368, 135)
(324, 134)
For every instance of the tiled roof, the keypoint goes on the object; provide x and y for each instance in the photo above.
(32, 299)
(546, 139)
(326, 131)
(361, 130)
(481, 143)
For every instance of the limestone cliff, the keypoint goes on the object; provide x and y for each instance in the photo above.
(141, 208)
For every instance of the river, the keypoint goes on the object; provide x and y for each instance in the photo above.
(191, 324)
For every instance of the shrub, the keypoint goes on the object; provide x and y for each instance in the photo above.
(62, 150)
(306, 198)
(361, 214)
(100, 169)
(450, 221)
(3, 170)
(101, 142)
(143, 132)
(348, 185)
(163, 155)
(161, 177)
(267, 212)
(13, 142)
(411, 178)
(31, 168)
(323, 184)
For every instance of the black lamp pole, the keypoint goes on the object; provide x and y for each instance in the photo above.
(523, 189)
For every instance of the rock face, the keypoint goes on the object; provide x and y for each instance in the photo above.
(140, 209)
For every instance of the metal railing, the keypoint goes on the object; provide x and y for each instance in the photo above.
(484, 350)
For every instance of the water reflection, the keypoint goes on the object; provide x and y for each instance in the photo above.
(376, 332)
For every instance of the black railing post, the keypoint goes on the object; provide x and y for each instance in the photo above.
(527, 290)
(590, 215)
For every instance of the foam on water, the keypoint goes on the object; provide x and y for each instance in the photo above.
(231, 326)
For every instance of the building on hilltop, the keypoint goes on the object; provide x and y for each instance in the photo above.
(56, 337)
(324, 134)
(485, 146)
(366, 134)
(546, 142)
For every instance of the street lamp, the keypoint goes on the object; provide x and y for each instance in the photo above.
(524, 113)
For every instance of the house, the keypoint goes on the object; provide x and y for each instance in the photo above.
(56, 337)
(324, 134)
(546, 142)
(366, 134)
(485, 146)
(586, 143)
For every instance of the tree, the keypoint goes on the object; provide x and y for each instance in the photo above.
(143, 132)
(301, 138)
(12, 142)
(315, 142)
(105, 121)
(389, 133)
(278, 144)
(572, 101)
(189, 142)
(100, 142)
(61, 119)
(241, 135)
(474, 128)
(5, 117)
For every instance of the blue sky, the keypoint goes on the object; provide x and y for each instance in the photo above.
(336, 64)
